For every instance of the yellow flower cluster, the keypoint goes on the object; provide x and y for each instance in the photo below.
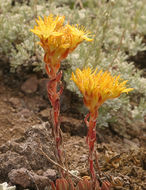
(58, 39)
(98, 87)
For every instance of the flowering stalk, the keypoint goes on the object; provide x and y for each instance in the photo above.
(54, 97)
(57, 40)
(91, 138)
(96, 89)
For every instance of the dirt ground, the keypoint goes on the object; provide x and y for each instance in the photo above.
(122, 159)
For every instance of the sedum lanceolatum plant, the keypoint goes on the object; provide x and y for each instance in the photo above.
(96, 88)
(57, 40)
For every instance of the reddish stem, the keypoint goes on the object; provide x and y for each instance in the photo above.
(54, 97)
(91, 138)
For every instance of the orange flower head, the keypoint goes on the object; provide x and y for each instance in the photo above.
(57, 39)
(98, 87)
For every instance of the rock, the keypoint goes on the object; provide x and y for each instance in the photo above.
(30, 85)
(20, 177)
(73, 126)
(24, 152)
(51, 174)
(28, 179)
(9, 161)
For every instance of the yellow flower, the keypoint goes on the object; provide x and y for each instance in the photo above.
(58, 39)
(78, 34)
(48, 27)
(98, 87)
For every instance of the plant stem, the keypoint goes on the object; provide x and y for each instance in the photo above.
(54, 97)
(91, 138)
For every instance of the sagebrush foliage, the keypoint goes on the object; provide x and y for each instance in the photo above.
(118, 28)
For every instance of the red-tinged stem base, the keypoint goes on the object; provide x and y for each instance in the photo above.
(54, 97)
(91, 138)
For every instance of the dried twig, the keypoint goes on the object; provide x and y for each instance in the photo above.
(58, 165)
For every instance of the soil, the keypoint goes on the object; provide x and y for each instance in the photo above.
(25, 126)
